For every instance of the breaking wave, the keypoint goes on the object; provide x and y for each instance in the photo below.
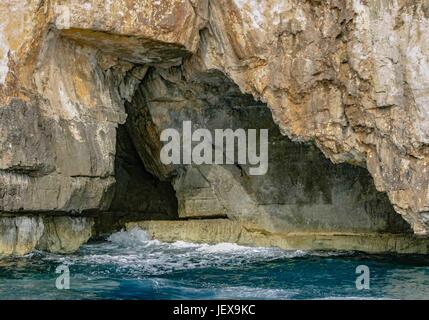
(129, 265)
(134, 253)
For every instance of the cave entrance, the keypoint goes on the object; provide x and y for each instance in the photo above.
(138, 193)
(301, 192)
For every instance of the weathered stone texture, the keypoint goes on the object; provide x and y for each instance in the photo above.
(349, 76)
(301, 191)
(64, 234)
(22, 234)
(223, 230)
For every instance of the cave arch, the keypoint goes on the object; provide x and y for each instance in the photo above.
(302, 191)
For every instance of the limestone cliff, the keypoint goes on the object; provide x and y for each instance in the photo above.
(86, 86)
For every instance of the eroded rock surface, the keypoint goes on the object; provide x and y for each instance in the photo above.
(22, 234)
(19, 235)
(351, 77)
(302, 191)
(64, 234)
(223, 230)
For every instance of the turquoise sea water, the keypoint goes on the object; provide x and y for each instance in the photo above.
(129, 266)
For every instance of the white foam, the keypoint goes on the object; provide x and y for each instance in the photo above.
(132, 237)
(134, 253)
(254, 293)
(184, 245)
(223, 247)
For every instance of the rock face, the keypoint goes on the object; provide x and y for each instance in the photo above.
(350, 75)
(64, 234)
(20, 235)
(87, 86)
(301, 191)
(223, 230)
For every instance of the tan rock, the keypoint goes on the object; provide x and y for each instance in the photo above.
(21, 235)
(65, 234)
(350, 76)
(223, 230)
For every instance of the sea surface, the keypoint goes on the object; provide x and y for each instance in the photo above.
(130, 266)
